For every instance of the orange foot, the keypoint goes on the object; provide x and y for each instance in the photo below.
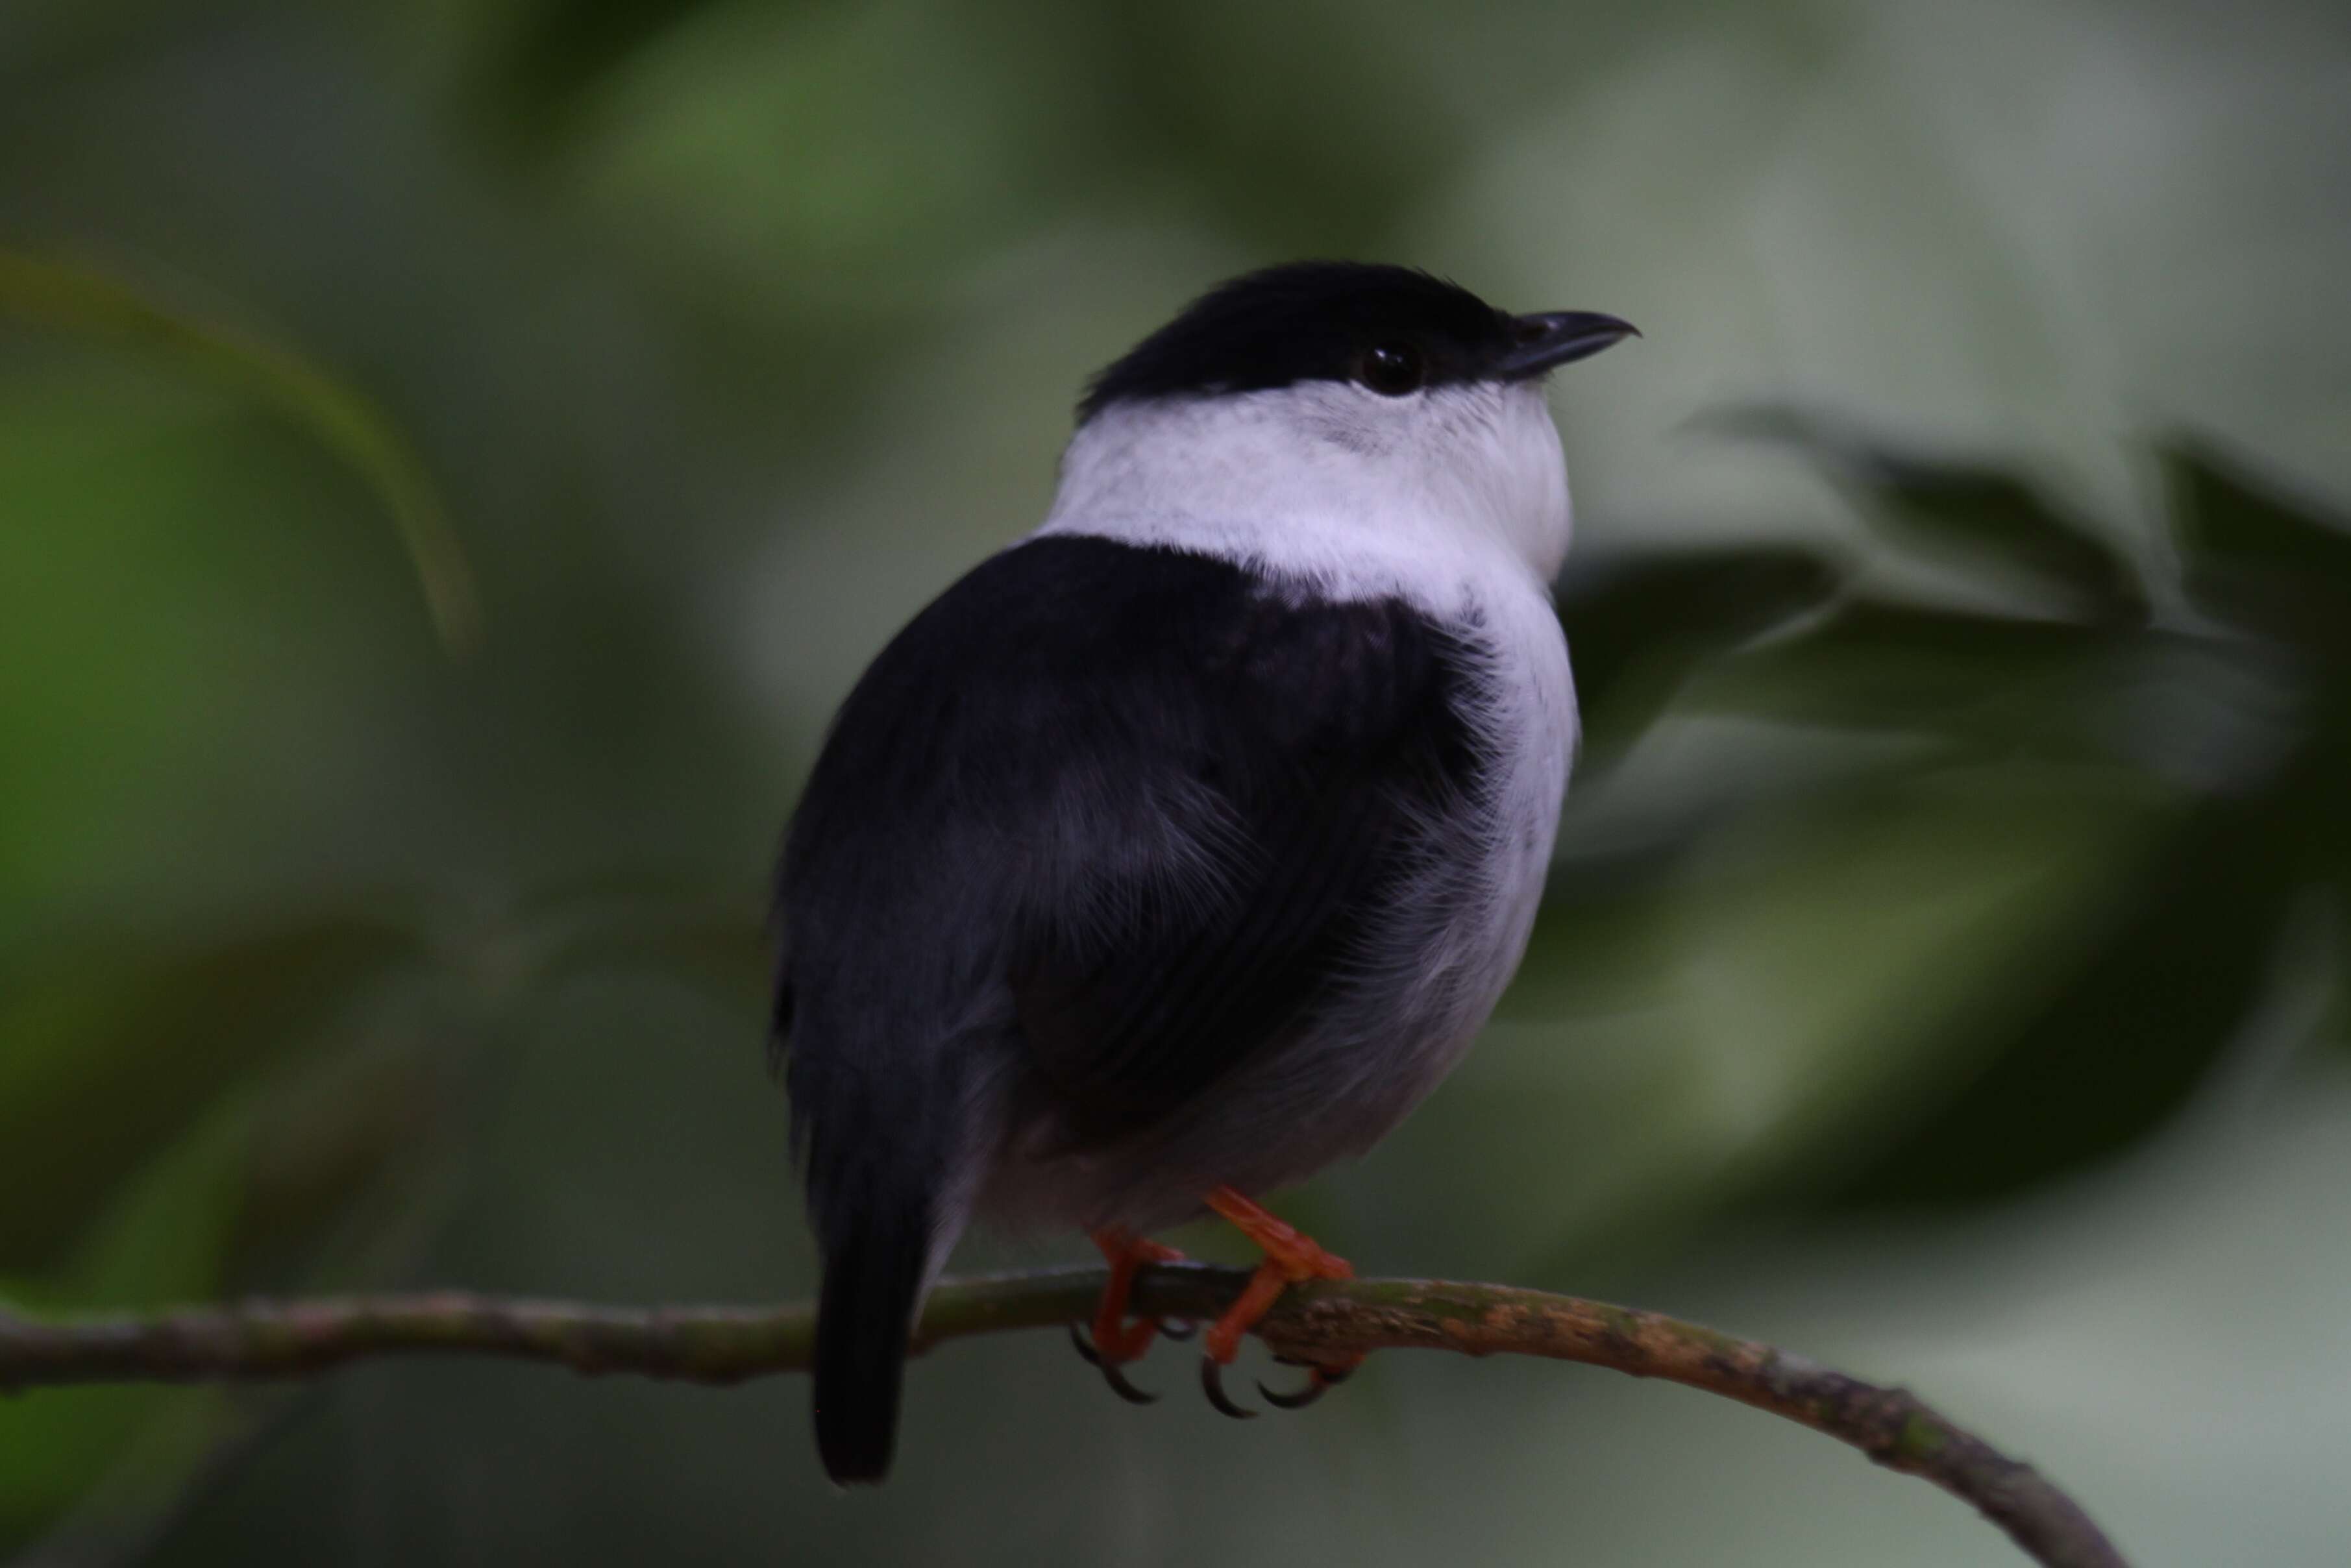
(1290, 1257)
(1116, 1341)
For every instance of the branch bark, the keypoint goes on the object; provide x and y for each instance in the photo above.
(1327, 1321)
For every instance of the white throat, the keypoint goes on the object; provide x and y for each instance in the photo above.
(1330, 484)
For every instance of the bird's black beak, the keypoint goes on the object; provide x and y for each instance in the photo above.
(1559, 338)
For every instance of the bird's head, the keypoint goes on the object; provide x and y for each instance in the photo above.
(1343, 402)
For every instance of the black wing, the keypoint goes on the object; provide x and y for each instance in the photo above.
(1132, 803)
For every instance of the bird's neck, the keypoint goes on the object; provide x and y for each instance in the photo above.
(1249, 479)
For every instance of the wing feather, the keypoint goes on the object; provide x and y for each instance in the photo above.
(1142, 800)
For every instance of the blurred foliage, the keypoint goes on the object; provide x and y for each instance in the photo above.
(94, 306)
(1955, 842)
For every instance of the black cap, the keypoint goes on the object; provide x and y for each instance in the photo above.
(1394, 328)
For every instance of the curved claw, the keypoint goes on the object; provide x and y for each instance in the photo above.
(1212, 1384)
(1115, 1376)
(1179, 1329)
(1113, 1373)
(1316, 1386)
(1320, 1380)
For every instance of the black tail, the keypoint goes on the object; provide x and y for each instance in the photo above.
(872, 1271)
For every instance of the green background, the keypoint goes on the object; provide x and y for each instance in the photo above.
(453, 456)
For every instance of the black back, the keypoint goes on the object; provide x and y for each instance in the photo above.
(1139, 798)
(1308, 320)
(1100, 825)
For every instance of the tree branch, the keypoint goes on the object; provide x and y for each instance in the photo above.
(1326, 1322)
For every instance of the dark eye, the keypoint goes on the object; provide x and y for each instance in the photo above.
(1391, 369)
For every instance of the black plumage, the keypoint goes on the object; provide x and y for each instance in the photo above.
(1310, 320)
(1101, 826)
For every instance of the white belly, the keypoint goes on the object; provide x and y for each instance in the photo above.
(1454, 970)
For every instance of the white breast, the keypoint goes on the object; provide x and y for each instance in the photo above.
(1532, 726)
(1433, 498)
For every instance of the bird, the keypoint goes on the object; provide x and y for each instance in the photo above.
(1180, 848)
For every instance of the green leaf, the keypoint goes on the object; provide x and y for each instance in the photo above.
(2118, 1040)
(1638, 627)
(1976, 513)
(91, 304)
(1772, 1006)
(1971, 515)
(2278, 567)
(1885, 665)
(2267, 562)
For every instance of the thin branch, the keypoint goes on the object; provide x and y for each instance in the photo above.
(1329, 1322)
